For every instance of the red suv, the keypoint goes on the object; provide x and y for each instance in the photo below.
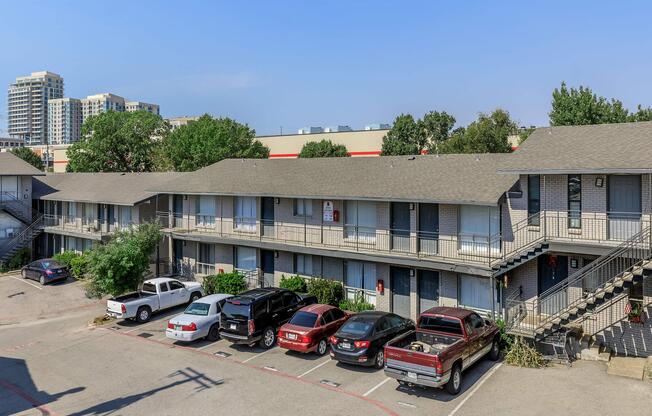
(310, 327)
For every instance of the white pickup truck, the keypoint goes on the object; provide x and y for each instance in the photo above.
(155, 294)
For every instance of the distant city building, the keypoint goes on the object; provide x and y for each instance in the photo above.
(65, 119)
(100, 103)
(8, 143)
(337, 129)
(378, 126)
(176, 122)
(28, 105)
(139, 105)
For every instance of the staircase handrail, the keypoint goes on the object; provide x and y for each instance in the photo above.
(524, 225)
(12, 198)
(21, 236)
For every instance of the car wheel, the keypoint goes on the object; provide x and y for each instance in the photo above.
(213, 333)
(144, 314)
(322, 347)
(494, 353)
(41, 280)
(379, 361)
(194, 296)
(454, 384)
(268, 339)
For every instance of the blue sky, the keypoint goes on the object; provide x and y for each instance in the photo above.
(295, 64)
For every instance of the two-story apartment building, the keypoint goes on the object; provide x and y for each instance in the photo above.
(409, 232)
(83, 209)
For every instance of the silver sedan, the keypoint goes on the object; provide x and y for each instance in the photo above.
(201, 319)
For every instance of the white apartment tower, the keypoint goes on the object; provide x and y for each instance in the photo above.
(139, 106)
(99, 103)
(28, 105)
(64, 120)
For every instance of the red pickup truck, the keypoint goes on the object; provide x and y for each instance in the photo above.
(446, 342)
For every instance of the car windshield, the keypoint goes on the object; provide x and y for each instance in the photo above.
(149, 287)
(305, 319)
(237, 311)
(357, 328)
(198, 308)
(51, 264)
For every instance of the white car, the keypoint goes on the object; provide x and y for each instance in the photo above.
(201, 319)
(155, 294)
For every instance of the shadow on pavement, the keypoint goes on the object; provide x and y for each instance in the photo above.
(188, 375)
(18, 385)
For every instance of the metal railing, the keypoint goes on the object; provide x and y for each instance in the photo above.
(23, 238)
(573, 292)
(85, 225)
(205, 268)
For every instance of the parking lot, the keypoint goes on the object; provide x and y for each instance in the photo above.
(54, 363)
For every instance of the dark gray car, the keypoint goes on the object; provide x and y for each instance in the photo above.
(45, 271)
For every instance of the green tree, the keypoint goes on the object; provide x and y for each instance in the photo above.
(209, 140)
(324, 148)
(437, 126)
(580, 106)
(406, 137)
(117, 142)
(120, 265)
(28, 156)
(488, 134)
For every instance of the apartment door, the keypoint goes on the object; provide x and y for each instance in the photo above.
(552, 270)
(111, 216)
(267, 216)
(400, 226)
(400, 284)
(267, 260)
(428, 289)
(428, 228)
(624, 211)
(177, 255)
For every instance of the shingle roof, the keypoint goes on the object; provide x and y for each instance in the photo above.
(470, 179)
(12, 165)
(602, 148)
(105, 188)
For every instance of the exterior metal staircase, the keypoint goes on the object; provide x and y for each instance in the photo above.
(526, 242)
(571, 300)
(31, 218)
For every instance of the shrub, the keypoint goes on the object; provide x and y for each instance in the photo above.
(66, 257)
(79, 266)
(293, 283)
(228, 283)
(522, 354)
(327, 292)
(358, 304)
(506, 339)
(19, 259)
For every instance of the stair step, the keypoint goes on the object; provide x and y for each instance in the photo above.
(628, 277)
(619, 283)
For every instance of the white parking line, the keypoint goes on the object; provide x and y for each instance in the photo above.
(257, 355)
(371, 390)
(25, 281)
(468, 396)
(315, 367)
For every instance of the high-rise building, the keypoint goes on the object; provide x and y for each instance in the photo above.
(139, 105)
(64, 120)
(28, 105)
(99, 103)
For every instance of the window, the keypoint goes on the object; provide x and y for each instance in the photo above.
(574, 201)
(245, 258)
(125, 216)
(395, 321)
(277, 303)
(71, 210)
(360, 275)
(382, 325)
(245, 213)
(533, 199)
(290, 299)
(361, 220)
(303, 264)
(303, 207)
(175, 285)
(475, 292)
(327, 318)
(337, 314)
(163, 287)
(479, 229)
(206, 253)
(475, 321)
(205, 210)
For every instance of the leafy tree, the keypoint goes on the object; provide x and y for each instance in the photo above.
(438, 127)
(227, 283)
(120, 265)
(117, 142)
(209, 140)
(488, 134)
(524, 133)
(28, 156)
(324, 148)
(581, 106)
(406, 137)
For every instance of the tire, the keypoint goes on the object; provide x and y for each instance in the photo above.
(144, 314)
(41, 280)
(213, 333)
(269, 338)
(494, 352)
(379, 360)
(322, 347)
(454, 385)
(194, 296)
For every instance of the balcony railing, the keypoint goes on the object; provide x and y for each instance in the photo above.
(84, 225)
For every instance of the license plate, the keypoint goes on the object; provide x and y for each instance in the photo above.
(412, 375)
(292, 336)
(346, 345)
(233, 326)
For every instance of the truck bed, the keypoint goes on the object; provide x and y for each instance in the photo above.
(132, 296)
(424, 342)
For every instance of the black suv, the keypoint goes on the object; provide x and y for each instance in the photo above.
(255, 315)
